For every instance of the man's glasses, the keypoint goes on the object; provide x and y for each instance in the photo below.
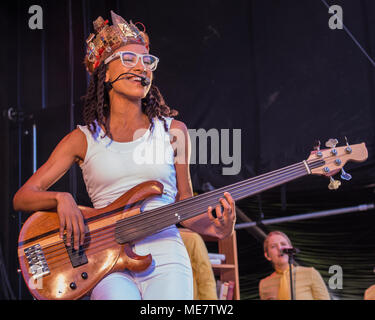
(130, 59)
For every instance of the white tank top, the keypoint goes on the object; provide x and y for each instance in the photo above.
(111, 168)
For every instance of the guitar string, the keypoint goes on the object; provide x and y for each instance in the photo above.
(163, 221)
(199, 198)
(150, 219)
(63, 247)
(135, 234)
(178, 205)
(166, 222)
(64, 259)
(154, 220)
(310, 162)
(92, 234)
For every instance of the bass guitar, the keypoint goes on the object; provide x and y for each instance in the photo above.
(53, 270)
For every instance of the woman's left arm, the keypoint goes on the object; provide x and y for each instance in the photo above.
(221, 226)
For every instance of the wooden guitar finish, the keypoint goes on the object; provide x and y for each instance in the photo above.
(53, 271)
(65, 282)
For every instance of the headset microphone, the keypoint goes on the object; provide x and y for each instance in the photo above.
(144, 80)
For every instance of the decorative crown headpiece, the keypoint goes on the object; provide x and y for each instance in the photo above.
(109, 38)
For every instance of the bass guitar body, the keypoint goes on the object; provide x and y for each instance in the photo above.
(54, 271)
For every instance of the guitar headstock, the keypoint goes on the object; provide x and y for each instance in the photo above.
(328, 162)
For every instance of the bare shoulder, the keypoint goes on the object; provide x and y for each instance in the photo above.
(76, 136)
(179, 131)
(74, 143)
(177, 124)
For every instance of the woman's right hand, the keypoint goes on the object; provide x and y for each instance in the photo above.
(71, 219)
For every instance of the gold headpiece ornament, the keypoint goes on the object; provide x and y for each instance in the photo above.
(109, 38)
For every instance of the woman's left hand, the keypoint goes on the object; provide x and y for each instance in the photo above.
(225, 219)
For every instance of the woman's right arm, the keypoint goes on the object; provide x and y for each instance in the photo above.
(33, 195)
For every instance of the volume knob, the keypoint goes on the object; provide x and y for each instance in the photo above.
(73, 286)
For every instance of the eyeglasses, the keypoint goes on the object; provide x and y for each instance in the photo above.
(130, 59)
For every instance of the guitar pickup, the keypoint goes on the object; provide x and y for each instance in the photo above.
(77, 257)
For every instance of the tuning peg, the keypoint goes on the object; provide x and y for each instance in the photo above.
(348, 149)
(317, 145)
(331, 143)
(317, 149)
(344, 175)
(334, 184)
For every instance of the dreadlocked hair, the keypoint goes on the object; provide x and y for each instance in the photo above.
(96, 106)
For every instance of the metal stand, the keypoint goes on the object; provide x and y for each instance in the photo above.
(313, 215)
(291, 259)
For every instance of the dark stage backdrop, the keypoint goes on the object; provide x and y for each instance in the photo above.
(273, 69)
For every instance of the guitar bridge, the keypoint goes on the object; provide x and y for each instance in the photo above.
(37, 261)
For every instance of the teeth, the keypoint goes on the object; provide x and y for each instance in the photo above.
(135, 79)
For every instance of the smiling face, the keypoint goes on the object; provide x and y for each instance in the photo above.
(274, 244)
(129, 85)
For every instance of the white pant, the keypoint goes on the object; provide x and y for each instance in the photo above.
(169, 277)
